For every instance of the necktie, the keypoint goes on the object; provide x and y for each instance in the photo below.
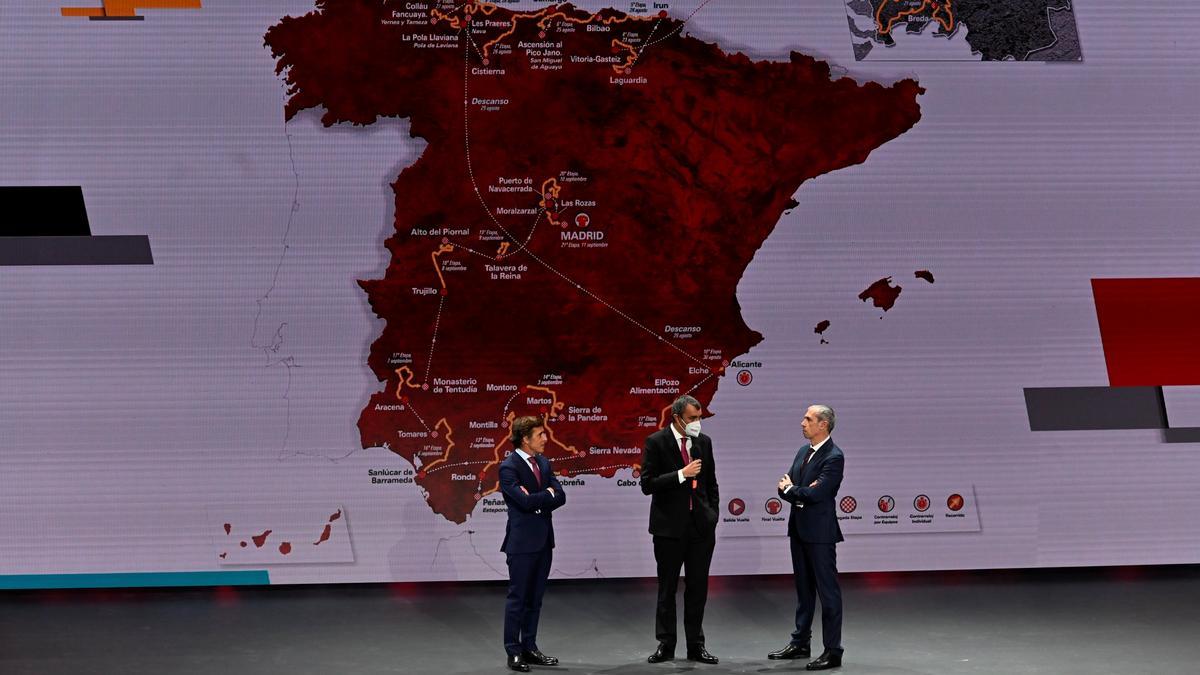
(537, 473)
(811, 451)
(686, 460)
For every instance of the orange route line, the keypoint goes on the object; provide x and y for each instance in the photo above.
(555, 406)
(444, 248)
(937, 5)
(550, 190)
(629, 60)
(128, 8)
(450, 445)
(544, 16)
(662, 417)
(405, 381)
(496, 459)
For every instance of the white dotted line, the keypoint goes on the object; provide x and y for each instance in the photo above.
(622, 314)
(473, 251)
(419, 418)
(672, 34)
(638, 56)
(504, 415)
(492, 217)
(523, 245)
(467, 140)
(473, 43)
(598, 469)
(437, 322)
(701, 382)
(439, 467)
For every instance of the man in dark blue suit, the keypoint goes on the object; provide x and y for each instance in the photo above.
(679, 475)
(811, 487)
(531, 493)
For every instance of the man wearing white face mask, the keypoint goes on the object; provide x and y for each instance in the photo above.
(677, 473)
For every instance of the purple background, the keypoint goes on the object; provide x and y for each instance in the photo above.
(133, 401)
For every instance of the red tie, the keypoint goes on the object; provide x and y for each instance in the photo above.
(686, 460)
(537, 473)
(811, 451)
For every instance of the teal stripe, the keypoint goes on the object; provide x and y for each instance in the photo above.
(134, 579)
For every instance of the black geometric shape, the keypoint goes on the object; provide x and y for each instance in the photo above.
(98, 250)
(48, 225)
(43, 211)
(1181, 435)
(1095, 408)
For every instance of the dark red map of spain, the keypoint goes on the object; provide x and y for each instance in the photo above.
(570, 241)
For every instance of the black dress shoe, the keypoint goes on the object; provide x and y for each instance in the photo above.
(663, 653)
(518, 664)
(539, 659)
(828, 659)
(791, 652)
(701, 654)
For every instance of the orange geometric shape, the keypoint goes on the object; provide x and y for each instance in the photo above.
(127, 9)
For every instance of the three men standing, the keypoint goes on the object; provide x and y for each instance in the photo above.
(811, 488)
(678, 474)
(531, 493)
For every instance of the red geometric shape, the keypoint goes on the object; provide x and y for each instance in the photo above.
(1150, 329)
(955, 502)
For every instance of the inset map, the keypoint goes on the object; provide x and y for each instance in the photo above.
(953, 30)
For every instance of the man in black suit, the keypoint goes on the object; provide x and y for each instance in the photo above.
(811, 488)
(531, 493)
(678, 474)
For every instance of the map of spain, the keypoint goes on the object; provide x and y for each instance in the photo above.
(570, 241)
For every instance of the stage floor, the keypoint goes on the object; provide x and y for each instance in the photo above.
(1140, 620)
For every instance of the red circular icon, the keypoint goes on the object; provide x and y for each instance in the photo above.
(774, 506)
(921, 503)
(886, 504)
(736, 507)
(955, 502)
(848, 504)
(745, 377)
(582, 220)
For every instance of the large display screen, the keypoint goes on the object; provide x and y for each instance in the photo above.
(275, 278)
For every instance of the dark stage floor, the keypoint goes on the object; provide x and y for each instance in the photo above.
(1143, 620)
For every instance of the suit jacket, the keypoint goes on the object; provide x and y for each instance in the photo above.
(814, 509)
(669, 499)
(529, 527)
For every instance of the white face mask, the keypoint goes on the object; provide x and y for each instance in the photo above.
(692, 429)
